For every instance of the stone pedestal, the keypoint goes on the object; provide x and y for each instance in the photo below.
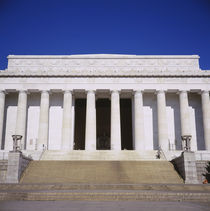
(16, 165)
(190, 170)
(13, 169)
(186, 166)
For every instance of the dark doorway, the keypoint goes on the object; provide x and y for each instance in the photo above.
(126, 124)
(79, 130)
(103, 113)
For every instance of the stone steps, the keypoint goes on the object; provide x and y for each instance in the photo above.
(101, 192)
(107, 196)
(68, 186)
(100, 155)
(101, 172)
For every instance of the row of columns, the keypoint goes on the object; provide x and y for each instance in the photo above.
(90, 131)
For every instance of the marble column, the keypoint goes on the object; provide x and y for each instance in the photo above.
(115, 121)
(21, 117)
(184, 113)
(90, 129)
(162, 121)
(206, 117)
(138, 121)
(43, 121)
(67, 143)
(2, 104)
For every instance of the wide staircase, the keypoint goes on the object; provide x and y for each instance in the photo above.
(103, 181)
(101, 172)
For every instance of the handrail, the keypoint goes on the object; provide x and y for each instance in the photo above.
(44, 149)
(160, 151)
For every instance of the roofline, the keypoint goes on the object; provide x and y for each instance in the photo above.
(103, 56)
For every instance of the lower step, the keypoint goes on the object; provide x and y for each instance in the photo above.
(107, 196)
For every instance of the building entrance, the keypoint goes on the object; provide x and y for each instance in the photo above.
(126, 124)
(103, 113)
(79, 130)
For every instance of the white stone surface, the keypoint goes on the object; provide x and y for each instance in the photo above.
(55, 121)
(90, 130)
(184, 113)
(43, 121)
(106, 73)
(162, 121)
(21, 117)
(150, 121)
(100, 155)
(101, 64)
(206, 117)
(67, 141)
(196, 122)
(33, 120)
(139, 121)
(2, 104)
(10, 124)
(115, 121)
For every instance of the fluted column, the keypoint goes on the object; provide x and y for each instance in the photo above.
(21, 117)
(138, 121)
(67, 142)
(2, 104)
(184, 113)
(90, 130)
(162, 120)
(115, 121)
(206, 117)
(43, 121)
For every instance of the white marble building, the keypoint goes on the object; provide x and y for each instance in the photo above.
(104, 102)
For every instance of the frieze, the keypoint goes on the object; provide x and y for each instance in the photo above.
(103, 65)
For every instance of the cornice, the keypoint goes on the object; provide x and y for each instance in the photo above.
(105, 73)
(103, 56)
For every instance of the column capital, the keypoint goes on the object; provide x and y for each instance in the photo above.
(115, 91)
(135, 91)
(67, 91)
(45, 91)
(182, 91)
(25, 91)
(159, 91)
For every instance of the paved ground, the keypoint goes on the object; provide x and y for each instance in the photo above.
(101, 206)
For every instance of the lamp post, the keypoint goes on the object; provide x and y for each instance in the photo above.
(16, 138)
(186, 142)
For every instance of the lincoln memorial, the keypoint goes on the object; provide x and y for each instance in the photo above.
(104, 105)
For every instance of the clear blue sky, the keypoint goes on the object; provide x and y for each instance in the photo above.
(147, 27)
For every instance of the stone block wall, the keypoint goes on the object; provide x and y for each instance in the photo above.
(201, 169)
(186, 167)
(3, 170)
(16, 165)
